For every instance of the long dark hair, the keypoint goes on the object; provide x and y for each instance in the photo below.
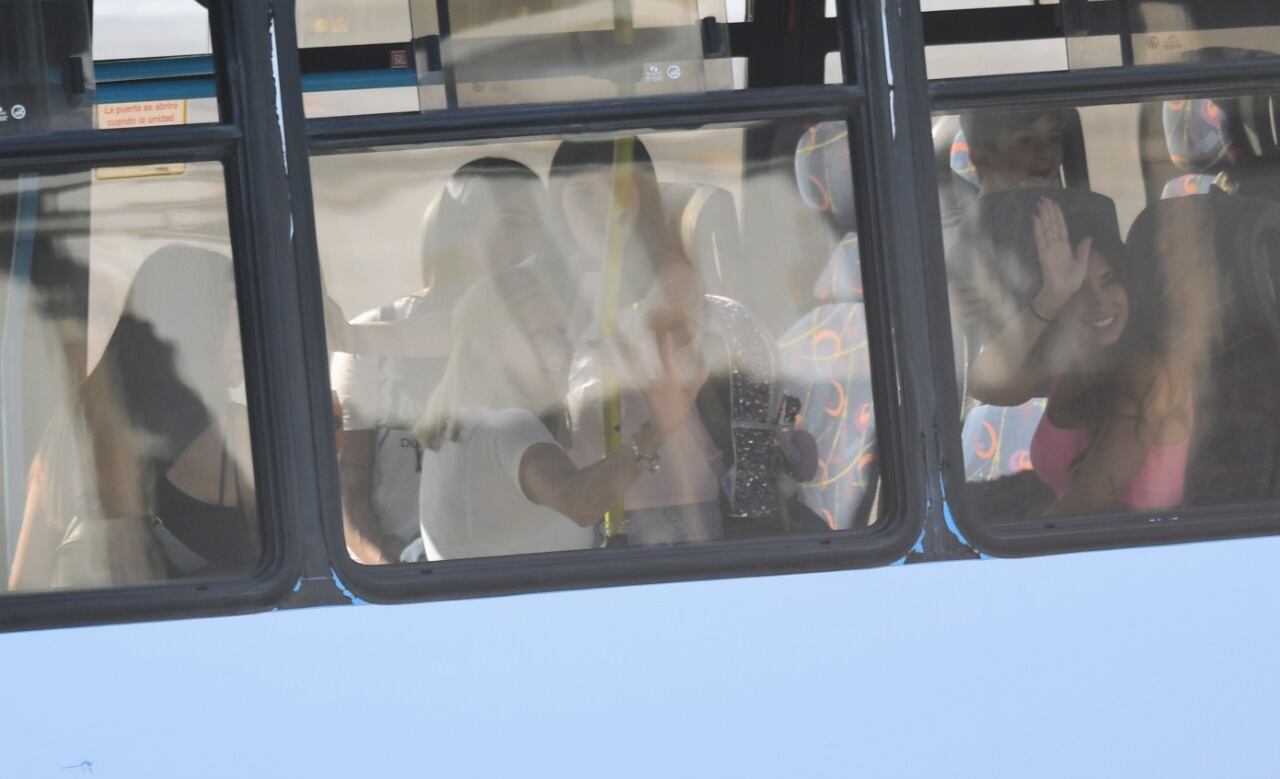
(163, 363)
(652, 242)
(1151, 368)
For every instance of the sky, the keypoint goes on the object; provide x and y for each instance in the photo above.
(1149, 662)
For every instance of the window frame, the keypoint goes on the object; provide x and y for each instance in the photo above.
(1119, 85)
(249, 145)
(901, 386)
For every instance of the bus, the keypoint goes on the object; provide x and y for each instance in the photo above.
(621, 361)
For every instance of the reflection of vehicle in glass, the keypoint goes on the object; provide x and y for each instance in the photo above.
(791, 236)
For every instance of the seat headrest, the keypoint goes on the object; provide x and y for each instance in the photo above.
(999, 232)
(841, 279)
(1188, 185)
(1210, 135)
(1243, 251)
(824, 173)
(705, 218)
(961, 163)
(1200, 136)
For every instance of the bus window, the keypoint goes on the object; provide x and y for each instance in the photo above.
(1115, 334)
(358, 56)
(567, 343)
(998, 37)
(55, 75)
(990, 37)
(1151, 32)
(498, 53)
(124, 444)
(483, 53)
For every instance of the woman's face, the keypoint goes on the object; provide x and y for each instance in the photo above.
(1099, 312)
(509, 227)
(586, 198)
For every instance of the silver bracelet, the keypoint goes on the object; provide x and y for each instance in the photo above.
(650, 462)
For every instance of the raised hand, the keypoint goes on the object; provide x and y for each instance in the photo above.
(668, 396)
(1063, 269)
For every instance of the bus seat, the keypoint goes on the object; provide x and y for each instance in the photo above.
(997, 440)
(706, 219)
(1234, 459)
(823, 354)
(826, 366)
(1234, 141)
(754, 409)
(1187, 185)
(1239, 409)
(824, 174)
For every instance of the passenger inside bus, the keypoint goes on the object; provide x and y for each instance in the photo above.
(1099, 341)
(144, 474)
(631, 283)
(488, 217)
(496, 477)
(1007, 151)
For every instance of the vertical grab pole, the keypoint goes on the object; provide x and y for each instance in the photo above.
(12, 339)
(610, 302)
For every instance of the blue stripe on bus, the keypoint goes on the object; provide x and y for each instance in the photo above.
(179, 88)
(165, 67)
(169, 89)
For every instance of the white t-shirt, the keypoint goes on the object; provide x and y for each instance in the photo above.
(471, 501)
(387, 395)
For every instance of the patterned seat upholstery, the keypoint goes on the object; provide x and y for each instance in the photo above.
(823, 356)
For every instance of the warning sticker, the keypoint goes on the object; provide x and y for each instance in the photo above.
(151, 113)
(117, 116)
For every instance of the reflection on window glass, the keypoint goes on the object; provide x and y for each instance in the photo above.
(71, 65)
(402, 55)
(653, 340)
(125, 448)
(1020, 36)
(1162, 31)
(494, 52)
(1113, 307)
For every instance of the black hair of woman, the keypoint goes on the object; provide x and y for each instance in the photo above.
(160, 364)
(652, 241)
(450, 220)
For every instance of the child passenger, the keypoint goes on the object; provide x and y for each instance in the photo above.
(496, 479)
(1009, 150)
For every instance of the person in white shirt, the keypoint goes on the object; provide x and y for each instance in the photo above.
(488, 217)
(496, 477)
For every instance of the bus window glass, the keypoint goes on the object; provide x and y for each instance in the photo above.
(1150, 32)
(498, 53)
(357, 57)
(72, 65)
(994, 37)
(1113, 305)
(989, 38)
(123, 436)
(563, 343)
(369, 57)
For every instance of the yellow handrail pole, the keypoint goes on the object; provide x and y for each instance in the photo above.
(610, 302)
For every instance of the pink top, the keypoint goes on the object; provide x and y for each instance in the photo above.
(1159, 483)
